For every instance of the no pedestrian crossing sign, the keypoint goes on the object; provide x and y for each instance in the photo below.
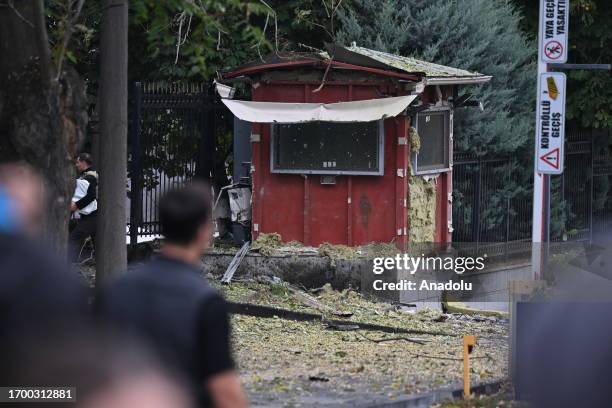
(550, 124)
(554, 16)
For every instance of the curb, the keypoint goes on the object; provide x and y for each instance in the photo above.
(427, 399)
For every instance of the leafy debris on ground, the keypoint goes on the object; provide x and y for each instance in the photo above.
(277, 357)
(337, 252)
(271, 244)
(503, 398)
(266, 243)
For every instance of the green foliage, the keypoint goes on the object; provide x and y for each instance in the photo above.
(179, 39)
(82, 49)
(589, 95)
(61, 17)
(478, 35)
(172, 138)
(561, 215)
(307, 22)
(168, 39)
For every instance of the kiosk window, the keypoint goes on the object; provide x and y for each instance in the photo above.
(328, 148)
(433, 128)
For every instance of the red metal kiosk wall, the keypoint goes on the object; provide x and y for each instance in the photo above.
(357, 209)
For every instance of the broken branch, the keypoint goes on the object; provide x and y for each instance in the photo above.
(408, 339)
(308, 300)
(329, 64)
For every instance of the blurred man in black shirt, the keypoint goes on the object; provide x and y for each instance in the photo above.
(37, 292)
(168, 303)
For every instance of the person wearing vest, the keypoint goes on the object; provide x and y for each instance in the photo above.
(84, 205)
(168, 303)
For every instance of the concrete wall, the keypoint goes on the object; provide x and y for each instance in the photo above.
(490, 287)
(309, 270)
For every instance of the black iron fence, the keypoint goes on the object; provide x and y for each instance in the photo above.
(492, 197)
(173, 134)
(491, 208)
(601, 204)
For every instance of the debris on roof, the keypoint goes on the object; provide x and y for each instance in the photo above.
(434, 73)
(364, 59)
(412, 65)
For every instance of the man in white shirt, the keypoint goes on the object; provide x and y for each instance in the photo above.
(84, 204)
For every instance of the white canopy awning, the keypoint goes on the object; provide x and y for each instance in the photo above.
(280, 112)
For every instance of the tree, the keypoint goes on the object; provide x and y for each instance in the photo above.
(478, 35)
(306, 23)
(42, 107)
(182, 39)
(111, 247)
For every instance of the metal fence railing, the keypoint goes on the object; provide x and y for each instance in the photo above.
(492, 197)
(173, 130)
(491, 210)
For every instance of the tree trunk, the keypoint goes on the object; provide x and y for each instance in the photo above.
(42, 120)
(111, 252)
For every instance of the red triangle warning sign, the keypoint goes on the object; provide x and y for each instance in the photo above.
(551, 158)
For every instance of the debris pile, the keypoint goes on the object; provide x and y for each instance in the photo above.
(421, 209)
(305, 363)
(337, 252)
(271, 244)
(266, 243)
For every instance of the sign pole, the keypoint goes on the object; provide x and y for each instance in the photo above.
(550, 123)
(540, 198)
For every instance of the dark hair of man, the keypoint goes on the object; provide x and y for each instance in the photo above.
(86, 157)
(183, 211)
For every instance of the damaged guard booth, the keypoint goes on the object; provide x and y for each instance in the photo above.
(333, 156)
